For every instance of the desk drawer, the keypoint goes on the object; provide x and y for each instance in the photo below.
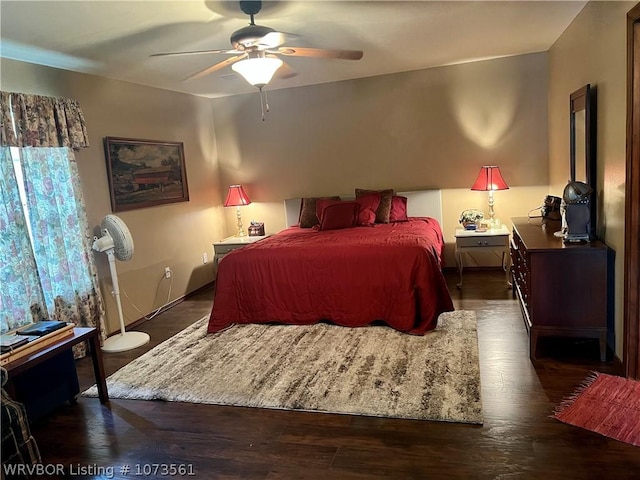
(496, 241)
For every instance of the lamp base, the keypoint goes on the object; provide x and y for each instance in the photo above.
(241, 232)
(493, 223)
(122, 342)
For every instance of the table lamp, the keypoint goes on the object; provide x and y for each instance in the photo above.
(237, 197)
(489, 180)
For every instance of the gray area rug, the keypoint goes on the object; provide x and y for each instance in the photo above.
(373, 370)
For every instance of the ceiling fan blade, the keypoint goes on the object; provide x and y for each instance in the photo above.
(271, 40)
(285, 71)
(197, 52)
(216, 67)
(320, 53)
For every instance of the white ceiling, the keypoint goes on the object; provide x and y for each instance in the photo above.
(115, 38)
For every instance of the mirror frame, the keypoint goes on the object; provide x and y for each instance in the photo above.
(583, 99)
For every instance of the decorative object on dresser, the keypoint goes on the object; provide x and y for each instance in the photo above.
(495, 240)
(564, 290)
(375, 370)
(489, 180)
(237, 197)
(576, 213)
(116, 241)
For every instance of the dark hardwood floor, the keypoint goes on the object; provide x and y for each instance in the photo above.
(517, 440)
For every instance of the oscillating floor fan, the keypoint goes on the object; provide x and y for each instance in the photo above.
(116, 242)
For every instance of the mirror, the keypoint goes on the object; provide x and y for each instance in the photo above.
(583, 142)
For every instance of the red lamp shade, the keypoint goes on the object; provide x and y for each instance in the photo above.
(489, 179)
(236, 196)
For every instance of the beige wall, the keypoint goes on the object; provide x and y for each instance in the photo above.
(173, 235)
(423, 129)
(430, 128)
(593, 50)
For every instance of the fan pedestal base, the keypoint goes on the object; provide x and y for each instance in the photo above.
(122, 342)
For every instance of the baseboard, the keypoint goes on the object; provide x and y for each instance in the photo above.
(166, 307)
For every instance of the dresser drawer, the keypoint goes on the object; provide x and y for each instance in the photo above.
(493, 241)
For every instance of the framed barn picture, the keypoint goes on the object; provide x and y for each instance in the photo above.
(145, 173)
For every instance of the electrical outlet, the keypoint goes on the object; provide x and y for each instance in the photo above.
(167, 272)
(205, 258)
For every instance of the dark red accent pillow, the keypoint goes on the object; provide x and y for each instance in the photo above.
(337, 215)
(383, 211)
(308, 216)
(368, 205)
(322, 203)
(398, 209)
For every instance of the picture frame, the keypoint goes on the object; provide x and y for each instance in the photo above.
(145, 173)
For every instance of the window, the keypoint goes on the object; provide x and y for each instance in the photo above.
(46, 265)
(17, 168)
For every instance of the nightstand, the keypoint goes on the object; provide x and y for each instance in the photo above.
(221, 248)
(493, 240)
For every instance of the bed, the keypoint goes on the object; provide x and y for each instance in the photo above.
(352, 277)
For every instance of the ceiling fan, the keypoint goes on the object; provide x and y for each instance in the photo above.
(256, 49)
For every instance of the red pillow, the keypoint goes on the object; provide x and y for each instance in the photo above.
(398, 209)
(383, 210)
(368, 205)
(336, 215)
(322, 203)
(308, 216)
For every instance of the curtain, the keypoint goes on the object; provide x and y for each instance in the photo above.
(37, 121)
(20, 290)
(61, 239)
(49, 129)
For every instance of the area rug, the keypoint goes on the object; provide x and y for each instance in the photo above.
(374, 370)
(605, 404)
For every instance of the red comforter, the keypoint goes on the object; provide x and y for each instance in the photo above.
(351, 277)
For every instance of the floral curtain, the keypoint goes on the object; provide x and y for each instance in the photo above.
(20, 284)
(41, 122)
(49, 129)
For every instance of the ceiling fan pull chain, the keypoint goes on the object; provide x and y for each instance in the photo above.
(266, 101)
(262, 103)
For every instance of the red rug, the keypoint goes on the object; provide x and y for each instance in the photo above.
(605, 404)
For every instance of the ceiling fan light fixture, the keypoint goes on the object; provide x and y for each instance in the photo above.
(257, 71)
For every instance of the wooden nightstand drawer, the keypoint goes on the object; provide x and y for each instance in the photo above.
(495, 241)
(222, 249)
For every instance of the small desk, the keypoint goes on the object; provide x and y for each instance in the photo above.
(80, 334)
(221, 248)
(493, 240)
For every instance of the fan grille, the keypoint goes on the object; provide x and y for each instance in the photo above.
(122, 239)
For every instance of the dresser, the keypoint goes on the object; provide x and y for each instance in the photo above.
(564, 290)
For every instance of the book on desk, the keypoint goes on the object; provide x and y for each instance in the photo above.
(10, 341)
(32, 338)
